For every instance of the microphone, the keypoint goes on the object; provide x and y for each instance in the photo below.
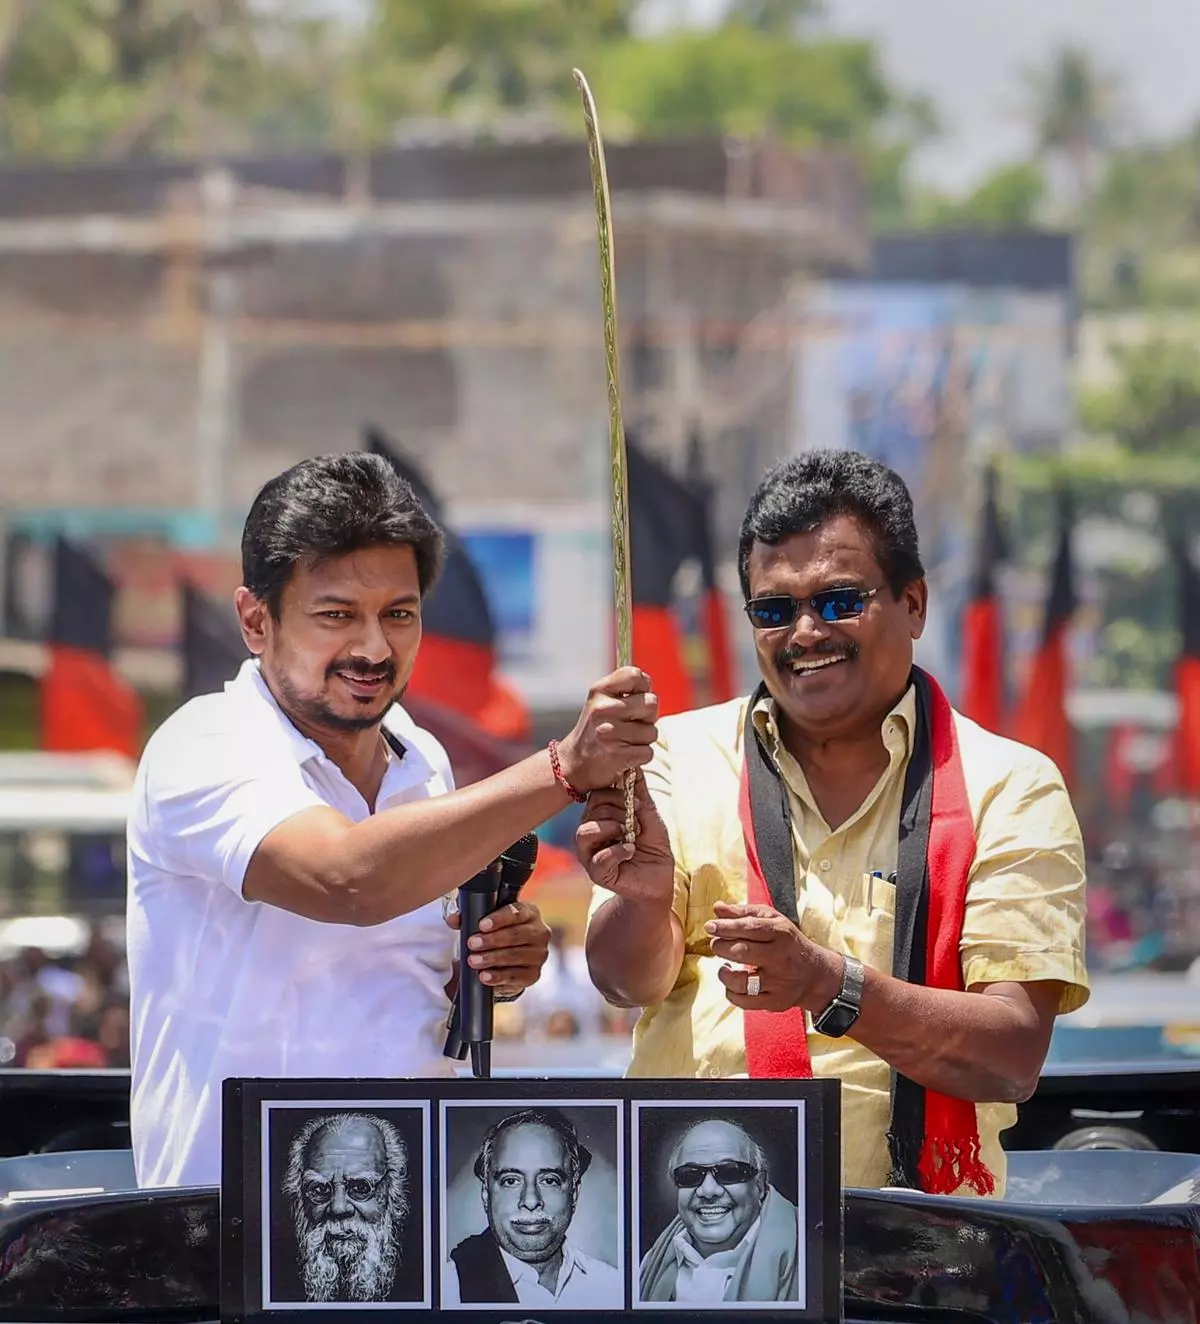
(471, 1017)
(516, 867)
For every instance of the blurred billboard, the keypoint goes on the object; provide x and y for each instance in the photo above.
(933, 378)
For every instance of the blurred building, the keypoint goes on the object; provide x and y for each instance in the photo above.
(172, 336)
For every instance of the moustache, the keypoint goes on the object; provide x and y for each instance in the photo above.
(790, 653)
(355, 666)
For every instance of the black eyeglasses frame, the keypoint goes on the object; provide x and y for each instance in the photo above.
(859, 597)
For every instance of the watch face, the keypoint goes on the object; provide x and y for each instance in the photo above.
(836, 1021)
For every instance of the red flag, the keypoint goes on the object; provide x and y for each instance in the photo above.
(722, 684)
(983, 626)
(85, 704)
(662, 535)
(456, 664)
(1119, 776)
(1041, 719)
(1187, 674)
(473, 753)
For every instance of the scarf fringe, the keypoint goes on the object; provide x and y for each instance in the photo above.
(947, 1164)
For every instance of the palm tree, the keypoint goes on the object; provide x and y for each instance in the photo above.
(1073, 109)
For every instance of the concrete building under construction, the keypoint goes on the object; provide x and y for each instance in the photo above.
(174, 332)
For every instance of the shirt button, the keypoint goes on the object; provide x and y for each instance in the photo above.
(825, 866)
(713, 1071)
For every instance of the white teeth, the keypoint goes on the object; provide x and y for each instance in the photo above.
(817, 666)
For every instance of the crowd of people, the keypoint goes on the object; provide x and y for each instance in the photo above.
(72, 1011)
(69, 1011)
(564, 1004)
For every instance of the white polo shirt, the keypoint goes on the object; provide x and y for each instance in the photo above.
(222, 987)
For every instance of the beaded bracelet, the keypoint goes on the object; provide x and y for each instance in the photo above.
(559, 777)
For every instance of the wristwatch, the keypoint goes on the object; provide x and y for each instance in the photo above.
(842, 1012)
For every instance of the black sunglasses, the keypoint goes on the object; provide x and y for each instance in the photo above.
(728, 1173)
(779, 610)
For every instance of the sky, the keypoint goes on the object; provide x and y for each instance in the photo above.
(967, 55)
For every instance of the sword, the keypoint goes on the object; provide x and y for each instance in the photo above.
(622, 590)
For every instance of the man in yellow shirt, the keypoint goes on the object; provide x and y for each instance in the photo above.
(839, 875)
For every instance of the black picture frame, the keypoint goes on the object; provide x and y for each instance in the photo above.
(795, 1125)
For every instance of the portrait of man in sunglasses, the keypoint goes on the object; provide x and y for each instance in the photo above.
(734, 1235)
(836, 874)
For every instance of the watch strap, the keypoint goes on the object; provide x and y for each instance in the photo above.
(854, 976)
(849, 997)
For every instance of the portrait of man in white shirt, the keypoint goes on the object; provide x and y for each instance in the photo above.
(734, 1236)
(530, 1169)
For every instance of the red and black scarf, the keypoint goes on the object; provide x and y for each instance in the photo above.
(933, 1139)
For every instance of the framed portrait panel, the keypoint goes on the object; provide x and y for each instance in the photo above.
(512, 1200)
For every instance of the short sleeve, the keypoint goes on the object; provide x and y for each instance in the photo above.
(209, 808)
(1025, 915)
(658, 783)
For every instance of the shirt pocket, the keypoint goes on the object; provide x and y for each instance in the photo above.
(869, 922)
(722, 878)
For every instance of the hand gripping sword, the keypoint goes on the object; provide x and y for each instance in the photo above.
(622, 589)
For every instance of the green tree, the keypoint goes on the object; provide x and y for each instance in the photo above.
(1155, 405)
(1142, 227)
(1073, 110)
(119, 77)
(472, 60)
(1008, 199)
(736, 80)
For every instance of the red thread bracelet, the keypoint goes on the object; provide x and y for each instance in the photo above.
(556, 768)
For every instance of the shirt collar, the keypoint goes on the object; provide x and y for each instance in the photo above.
(250, 686)
(518, 1269)
(897, 728)
(686, 1252)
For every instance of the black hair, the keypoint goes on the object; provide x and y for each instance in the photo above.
(579, 1155)
(800, 494)
(330, 506)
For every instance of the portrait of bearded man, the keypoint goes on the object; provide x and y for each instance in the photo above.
(348, 1192)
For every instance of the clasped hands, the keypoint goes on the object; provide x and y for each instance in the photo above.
(792, 970)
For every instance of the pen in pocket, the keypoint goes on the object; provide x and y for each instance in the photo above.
(876, 873)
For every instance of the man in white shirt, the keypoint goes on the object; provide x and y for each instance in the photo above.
(292, 838)
(735, 1237)
(530, 1168)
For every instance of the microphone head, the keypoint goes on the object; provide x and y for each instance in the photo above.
(518, 861)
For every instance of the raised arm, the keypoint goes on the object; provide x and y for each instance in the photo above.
(319, 864)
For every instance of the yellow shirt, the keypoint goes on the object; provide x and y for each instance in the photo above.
(1024, 911)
